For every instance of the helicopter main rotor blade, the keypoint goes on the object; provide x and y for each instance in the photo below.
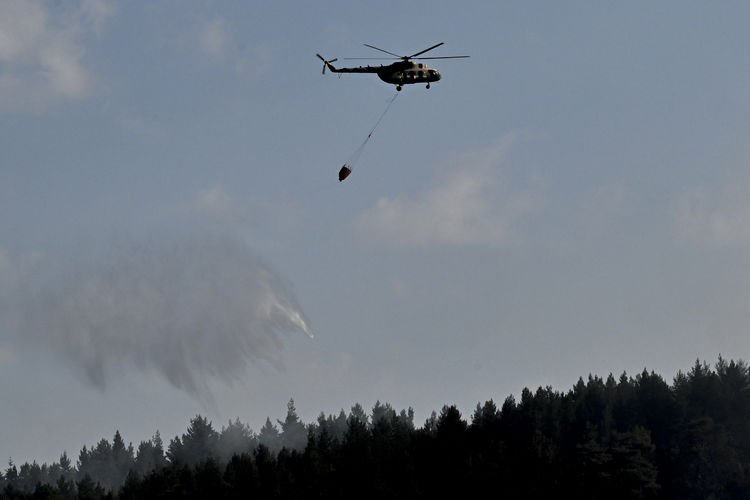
(371, 58)
(441, 57)
(381, 50)
(425, 50)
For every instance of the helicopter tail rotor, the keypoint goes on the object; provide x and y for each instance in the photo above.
(326, 63)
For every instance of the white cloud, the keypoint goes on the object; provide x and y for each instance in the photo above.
(469, 204)
(718, 217)
(217, 42)
(62, 68)
(41, 54)
(215, 201)
(214, 37)
(221, 208)
(20, 26)
(97, 12)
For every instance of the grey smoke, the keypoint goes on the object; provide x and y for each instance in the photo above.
(189, 309)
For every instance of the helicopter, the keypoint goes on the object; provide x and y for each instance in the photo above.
(398, 73)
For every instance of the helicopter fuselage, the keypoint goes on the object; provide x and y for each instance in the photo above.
(398, 73)
(401, 73)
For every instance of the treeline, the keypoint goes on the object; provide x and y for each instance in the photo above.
(627, 437)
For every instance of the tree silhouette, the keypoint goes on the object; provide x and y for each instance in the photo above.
(269, 437)
(150, 455)
(293, 432)
(200, 442)
(628, 437)
(234, 439)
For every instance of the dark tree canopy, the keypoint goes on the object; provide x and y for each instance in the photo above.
(618, 437)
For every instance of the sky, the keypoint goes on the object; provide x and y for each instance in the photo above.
(573, 199)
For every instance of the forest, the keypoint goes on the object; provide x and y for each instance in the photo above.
(630, 437)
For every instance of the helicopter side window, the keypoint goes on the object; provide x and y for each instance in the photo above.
(420, 66)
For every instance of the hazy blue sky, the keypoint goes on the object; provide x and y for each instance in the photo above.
(573, 199)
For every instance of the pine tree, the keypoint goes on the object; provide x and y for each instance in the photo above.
(90, 490)
(338, 426)
(592, 467)
(293, 433)
(66, 467)
(382, 412)
(406, 418)
(358, 413)
(235, 438)
(634, 472)
(269, 437)
(150, 455)
(123, 461)
(11, 473)
(197, 444)
(241, 477)
(268, 478)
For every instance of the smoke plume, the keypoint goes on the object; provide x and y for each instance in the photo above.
(188, 309)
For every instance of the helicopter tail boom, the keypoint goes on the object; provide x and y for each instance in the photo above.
(327, 64)
(359, 69)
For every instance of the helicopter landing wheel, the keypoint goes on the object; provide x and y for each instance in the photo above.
(428, 86)
(398, 88)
